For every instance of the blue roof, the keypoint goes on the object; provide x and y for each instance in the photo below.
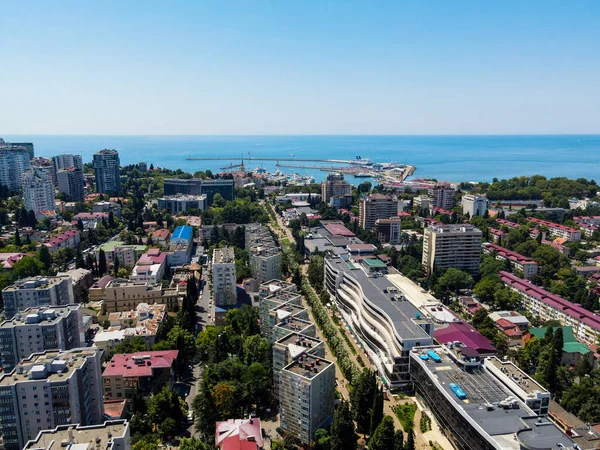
(182, 232)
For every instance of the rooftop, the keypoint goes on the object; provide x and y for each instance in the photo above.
(223, 255)
(307, 365)
(97, 437)
(525, 382)
(184, 232)
(552, 225)
(243, 429)
(467, 335)
(43, 315)
(570, 344)
(338, 229)
(140, 364)
(38, 282)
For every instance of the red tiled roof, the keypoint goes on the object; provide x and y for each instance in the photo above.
(508, 254)
(114, 408)
(57, 240)
(125, 366)
(8, 260)
(90, 216)
(337, 229)
(465, 333)
(442, 210)
(163, 233)
(233, 443)
(508, 223)
(239, 430)
(496, 232)
(403, 214)
(552, 225)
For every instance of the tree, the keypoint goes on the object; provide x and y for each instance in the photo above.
(362, 397)
(218, 201)
(167, 404)
(79, 261)
(193, 443)
(343, 435)
(399, 440)
(376, 411)
(147, 442)
(257, 349)
(383, 438)
(116, 266)
(101, 263)
(410, 441)
(316, 272)
(29, 266)
(45, 257)
(17, 238)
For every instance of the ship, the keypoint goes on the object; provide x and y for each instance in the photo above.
(362, 175)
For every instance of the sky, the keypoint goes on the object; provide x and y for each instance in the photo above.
(300, 67)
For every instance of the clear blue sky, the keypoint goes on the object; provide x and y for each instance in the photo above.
(300, 67)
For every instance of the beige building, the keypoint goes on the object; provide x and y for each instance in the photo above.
(457, 246)
(112, 435)
(224, 277)
(264, 253)
(376, 207)
(124, 295)
(335, 186)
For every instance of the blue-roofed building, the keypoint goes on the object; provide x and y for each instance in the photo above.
(182, 235)
(180, 246)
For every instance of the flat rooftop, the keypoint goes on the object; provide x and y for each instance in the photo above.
(85, 436)
(274, 286)
(36, 283)
(294, 338)
(307, 366)
(41, 315)
(294, 324)
(223, 255)
(524, 381)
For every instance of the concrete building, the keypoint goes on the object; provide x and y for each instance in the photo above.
(383, 319)
(35, 330)
(70, 182)
(46, 166)
(37, 291)
(224, 277)
(484, 404)
(107, 207)
(180, 246)
(26, 146)
(111, 435)
(239, 434)
(198, 186)
(66, 239)
(13, 163)
(517, 261)
(127, 254)
(375, 207)
(389, 230)
(271, 294)
(558, 230)
(150, 268)
(335, 186)
(442, 196)
(124, 295)
(307, 396)
(106, 165)
(147, 371)
(264, 253)
(62, 162)
(50, 389)
(457, 246)
(38, 191)
(422, 202)
(474, 205)
(179, 203)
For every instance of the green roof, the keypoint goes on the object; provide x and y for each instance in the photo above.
(374, 262)
(570, 345)
(110, 246)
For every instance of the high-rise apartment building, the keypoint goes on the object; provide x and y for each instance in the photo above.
(27, 146)
(37, 291)
(110, 435)
(13, 163)
(71, 183)
(224, 277)
(442, 196)
(62, 162)
(457, 246)
(335, 186)
(35, 330)
(199, 186)
(375, 207)
(38, 191)
(474, 205)
(389, 230)
(106, 165)
(44, 165)
(50, 389)
(264, 253)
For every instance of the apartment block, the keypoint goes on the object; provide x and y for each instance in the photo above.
(178, 203)
(106, 165)
(517, 261)
(66, 239)
(50, 389)
(21, 146)
(224, 277)
(335, 186)
(307, 396)
(125, 295)
(293, 325)
(71, 183)
(180, 246)
(264, 253)
(457, 246)
(271, 295)
(558, 230)
(35, 330)
(198, 186)
(474, 205)
(127, 254)
(110, 435)
(442, 196)
(150, 268)
(375, 207)
(13, 163)
(389, 230)
(37, 291)
(67, 162)
(38, 191)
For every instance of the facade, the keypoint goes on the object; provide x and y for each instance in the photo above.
(62, 162)
(264, 253)
(474, 205)
(307, 396)
(127, 254)
(70, 182)
(335, 186)
(106, 165)
(37, 291)
(13, 163)
(150, 268)
(547, 306)
(50, 389)
(178, 203)
(125, 295)
(517, 261)
(38, 191)
(224, 277)
(558, 230)
(271, 294)
(375, 207)
(69, 238)
(442, 196)
(198, 186)
(457, 246)
(389, 230)
(422, 202)
(26, 146)
(180, 246)
(147, 371)
(35, 330)
(111, 435)
(107, 207)
(385, 321)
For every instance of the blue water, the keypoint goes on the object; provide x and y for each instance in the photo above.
(451, 158)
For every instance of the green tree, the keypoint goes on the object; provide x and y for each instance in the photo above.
(147, 442)
(29, 266)
(79, 261)
(45, 257)
(102, 269)
(376, 411)
(362, 397)
(410, 441)
(343, 435)
(316, 272)
(116, 266)
(383, 438)
(193, 443)
(257, 349)
(399, 440)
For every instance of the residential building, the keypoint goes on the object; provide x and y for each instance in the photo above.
(110, 435)
(375, 207)
(81, 279)
(13, 163)
(26, 146)
(150, 268)
(239, 434)
(71, 183)
(62, 162)
(307, 396)
(37, 291)
(8, 260)
(487, 404)
(383, 321)
(442, 196)
(38, 191)
(499, 237)
(422, 202)
(124, 295)
(389, 230)
(294, 325)
(180, 246)
(224, 277)
(37, 329)
(106, 165)
(46, 166)
(264, 253)
(335, 186)
(457, 245)
(474, 205)
(285, 306)
(161, 237)
(142, 166)
(49, 389)
(271, 294)
(66, 239)
(107, 207)
(147, 371)
(558, 230)
(179, 203)
(547, 306)
(198, 186)
(517, 261)
(127, 254)
(520, 321)
(573, 350)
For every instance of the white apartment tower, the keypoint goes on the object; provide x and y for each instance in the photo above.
(475, 205)
(457, 246)
(62, 162)
(37, 291)
(264, 253)
(13, 163)
(38, 190)
(224, 277)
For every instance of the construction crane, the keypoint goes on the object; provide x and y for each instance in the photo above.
(232, 166)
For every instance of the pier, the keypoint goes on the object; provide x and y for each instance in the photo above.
(338, 161)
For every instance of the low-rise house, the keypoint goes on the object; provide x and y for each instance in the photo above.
(150, 268)
(127, 254)
(67, 239)
(8, 260)
(107, 207)
(239, 434)
(572, 350)
(161, 237)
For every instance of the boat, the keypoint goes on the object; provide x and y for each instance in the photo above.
(362, 175)
(291, 154)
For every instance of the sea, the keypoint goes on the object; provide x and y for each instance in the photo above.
(448, 158)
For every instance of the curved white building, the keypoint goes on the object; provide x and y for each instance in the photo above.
(386, 321)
